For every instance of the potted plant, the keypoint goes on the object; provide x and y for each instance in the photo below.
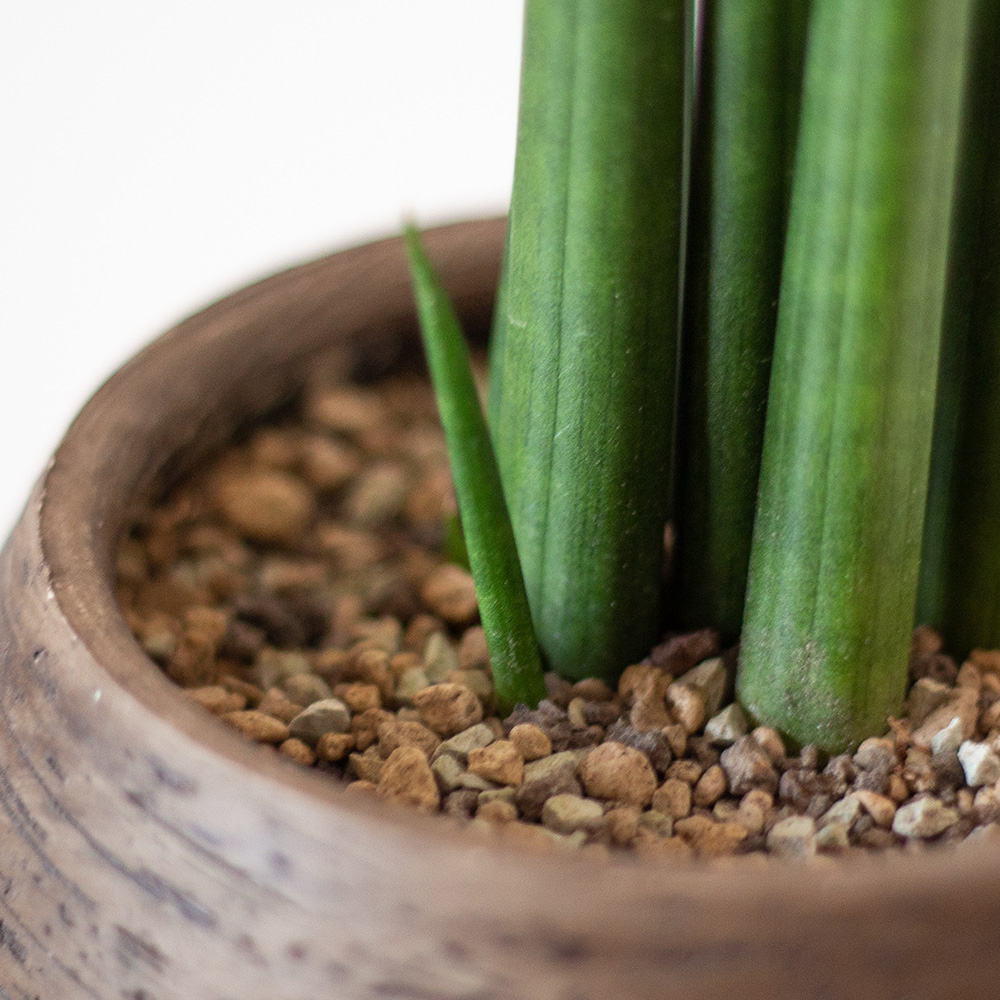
(148, 853)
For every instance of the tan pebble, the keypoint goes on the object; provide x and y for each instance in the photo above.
(969, 676)
(770, 741)
(881, 808)
(217, 699)
(531, 742)
(350, 550)
(362, 786)
(472, 651)
(394, 734)
(345, 409)
(990, 719)
(622, 823)
(656, 822)
(527, 835)
(988, 660)
(371, 666)
(359, 697)
(384, 633)
(327, 464)
(366, 766)
(592, 689)
(673, 797)
(649, 705)
(257, 726)
(688, 771)
(755, 809)
(575, 713)
(711, 786)
(364, 727)
(500, 762)
(251, 692)
(448, 708)
(497, 811)
(298, 751)
(332, 664)
(709, 838)
(265, 505)
(616, 772)
(688, 706)
(676, 735)
(450, 593)
(897, 790)
(638, 676)
(407, 778)
(650, 845)
(478, 682)
(334, 746)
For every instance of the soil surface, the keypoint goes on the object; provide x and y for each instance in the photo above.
(299, 591)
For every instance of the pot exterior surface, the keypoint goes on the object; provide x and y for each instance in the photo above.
(148, 853)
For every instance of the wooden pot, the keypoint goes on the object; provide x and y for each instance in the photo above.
(149, 853)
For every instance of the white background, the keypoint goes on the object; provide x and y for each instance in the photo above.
(156, 156)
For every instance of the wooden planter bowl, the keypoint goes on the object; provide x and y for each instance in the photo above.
(149, 853)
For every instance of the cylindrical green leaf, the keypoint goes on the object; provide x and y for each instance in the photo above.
(960, 570)
(836, 546)
(581, 417)
(745, 125)
(489, 538)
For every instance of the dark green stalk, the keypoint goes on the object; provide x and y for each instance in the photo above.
(750, 81)
(581, 412)
(503, 605)
(834, 563)
(960, 568)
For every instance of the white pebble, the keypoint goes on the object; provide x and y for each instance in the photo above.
(980, 764)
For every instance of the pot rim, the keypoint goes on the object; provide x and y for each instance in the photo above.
(138, 423)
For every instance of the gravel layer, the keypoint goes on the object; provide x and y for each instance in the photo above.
(298, 590)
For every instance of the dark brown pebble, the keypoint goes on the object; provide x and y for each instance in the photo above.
(678, 654)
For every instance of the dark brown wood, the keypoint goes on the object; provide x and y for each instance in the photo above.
(148, 853)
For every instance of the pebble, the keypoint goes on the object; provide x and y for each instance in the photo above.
(544, 778)
(217, 699)
(922, 818)
(531, 742)
(833, 837)
(334, 746)
(880, 807)
(406, 777)
(257, 726)
(711, 679)
(674, 798)
(448, 708)
(962, 704)
(622, 824)
(845, 812)
(770, 741)
(569, 813)
(727, 726)
(618, 773)
(394, 734)
(300, 752)
(497, 811)
(688, 706)
(949, 739)
(461, 744)
(747, 767)
(500, 762)
(327, 716)
(450, 593)
(709, 838)
(980, 764)
(925, 696)
(793, 837)
(710, 788)
(265, 506)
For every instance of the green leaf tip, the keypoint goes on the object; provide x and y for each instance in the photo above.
(489, 538)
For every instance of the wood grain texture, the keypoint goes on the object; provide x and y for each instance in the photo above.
(148, 853)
